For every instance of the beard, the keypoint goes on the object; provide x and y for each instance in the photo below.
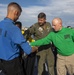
(41, 24)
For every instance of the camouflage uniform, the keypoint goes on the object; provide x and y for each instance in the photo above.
(44, 52)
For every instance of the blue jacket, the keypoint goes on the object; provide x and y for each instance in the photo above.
(10, 39)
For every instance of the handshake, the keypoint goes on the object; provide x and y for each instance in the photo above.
(34, 49)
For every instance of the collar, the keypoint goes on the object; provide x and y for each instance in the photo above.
(59, 30)
(9, 20)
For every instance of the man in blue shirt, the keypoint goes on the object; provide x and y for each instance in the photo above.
(10, 40)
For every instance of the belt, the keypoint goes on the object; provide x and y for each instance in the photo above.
(6, 61)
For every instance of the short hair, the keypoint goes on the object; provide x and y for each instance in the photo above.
(42, 15)
(15, 6)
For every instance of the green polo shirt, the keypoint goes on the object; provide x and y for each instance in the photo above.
(63, 40)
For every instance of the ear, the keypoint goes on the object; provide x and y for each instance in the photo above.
(60, 24)
(15, 12)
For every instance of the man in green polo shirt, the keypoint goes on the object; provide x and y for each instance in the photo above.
(63, 39)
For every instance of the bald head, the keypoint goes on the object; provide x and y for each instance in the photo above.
(57, 20)
(57, 24)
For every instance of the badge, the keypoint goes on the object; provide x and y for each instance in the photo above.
(48, 28)
(40, 29)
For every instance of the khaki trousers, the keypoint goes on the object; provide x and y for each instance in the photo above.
(46, 55)
(64, 64)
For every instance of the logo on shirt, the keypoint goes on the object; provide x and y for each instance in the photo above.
(67, 36)
(40, 29)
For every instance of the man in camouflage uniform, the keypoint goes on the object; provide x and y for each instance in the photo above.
(40, 30)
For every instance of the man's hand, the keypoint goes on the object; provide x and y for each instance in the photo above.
(34, 49)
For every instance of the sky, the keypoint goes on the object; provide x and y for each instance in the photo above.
(63, 9)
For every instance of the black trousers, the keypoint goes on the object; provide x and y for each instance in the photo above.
(29, 63)
(11, 67)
